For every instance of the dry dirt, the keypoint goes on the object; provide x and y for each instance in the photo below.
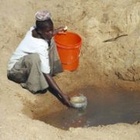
(103, 62)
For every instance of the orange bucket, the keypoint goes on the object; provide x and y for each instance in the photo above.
(69, 46)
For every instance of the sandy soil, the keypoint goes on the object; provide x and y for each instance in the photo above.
(101, 64)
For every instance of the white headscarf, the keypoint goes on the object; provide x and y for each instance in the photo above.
(42, 15)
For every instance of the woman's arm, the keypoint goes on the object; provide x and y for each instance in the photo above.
(57, 91)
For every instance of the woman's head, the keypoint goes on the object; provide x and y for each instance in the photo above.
(44, 24)
(45, 28)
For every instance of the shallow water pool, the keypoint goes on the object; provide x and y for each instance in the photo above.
(105, 106)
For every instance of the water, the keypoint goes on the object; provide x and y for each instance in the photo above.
(105, 106)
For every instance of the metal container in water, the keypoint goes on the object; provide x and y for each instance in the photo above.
(79, 101)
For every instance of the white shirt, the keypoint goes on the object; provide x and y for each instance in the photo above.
(30, 45)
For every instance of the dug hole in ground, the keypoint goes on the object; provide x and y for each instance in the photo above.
(109, 58)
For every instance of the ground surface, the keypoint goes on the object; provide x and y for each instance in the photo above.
(103, 63)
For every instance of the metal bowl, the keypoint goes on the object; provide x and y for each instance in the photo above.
(79, 101)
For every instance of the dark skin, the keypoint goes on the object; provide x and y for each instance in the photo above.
(47, 34)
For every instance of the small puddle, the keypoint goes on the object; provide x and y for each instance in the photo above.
(105, 106)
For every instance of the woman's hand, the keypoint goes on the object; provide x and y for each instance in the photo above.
(60, 30)
(67, 100)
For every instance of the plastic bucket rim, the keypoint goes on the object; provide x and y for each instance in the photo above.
(76, 45)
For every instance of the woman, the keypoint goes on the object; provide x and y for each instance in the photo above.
(36, 60)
